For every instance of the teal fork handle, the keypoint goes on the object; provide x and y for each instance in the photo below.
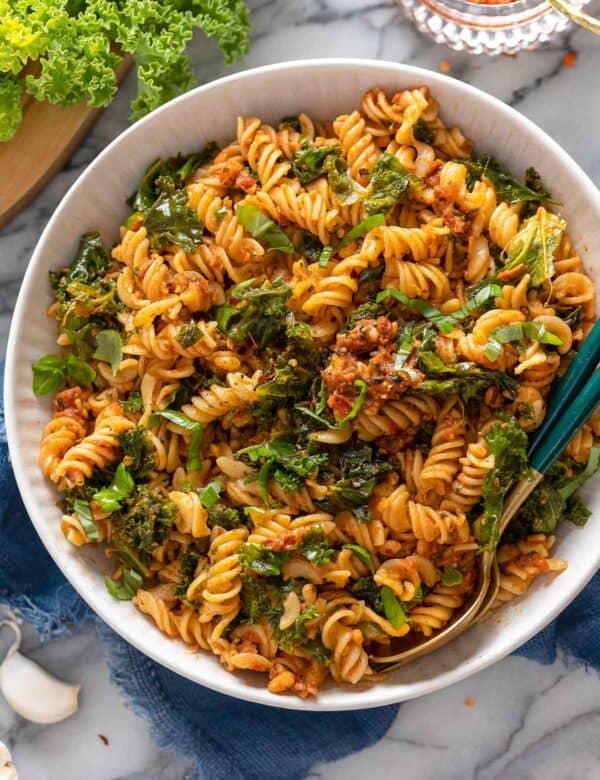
(571, 421)
(582, 365)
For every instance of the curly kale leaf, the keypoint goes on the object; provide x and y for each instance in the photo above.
(138, 452)
(167, 176)
(141, 527)
(507, 442)
(263, 598)
(11, 112)
(170, 220)
(268, 561)
(284, 462)
(468, 380)
(390, 183)
(533, 247)
(507, 187)
(74, 43)
(360, 468)
(308, 163)
(258, 314)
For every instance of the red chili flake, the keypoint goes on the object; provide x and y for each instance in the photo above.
(445, 66)
(103, 738)
(569, 59)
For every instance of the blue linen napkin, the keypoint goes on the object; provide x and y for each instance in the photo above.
(227, 738)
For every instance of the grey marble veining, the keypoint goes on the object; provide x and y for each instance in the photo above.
(528, 722)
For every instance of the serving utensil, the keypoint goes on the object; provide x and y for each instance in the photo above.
(574, 399)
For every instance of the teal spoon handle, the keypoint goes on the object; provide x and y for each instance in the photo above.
(582, 365)
(564, 427)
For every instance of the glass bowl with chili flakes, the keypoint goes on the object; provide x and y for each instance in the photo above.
(490, 26)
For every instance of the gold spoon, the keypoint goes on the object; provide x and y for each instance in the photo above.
(575, 398)
(487, 588)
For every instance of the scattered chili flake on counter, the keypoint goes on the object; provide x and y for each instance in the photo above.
(103, 738)
(445, 66)
(469, 702)
(569, 59)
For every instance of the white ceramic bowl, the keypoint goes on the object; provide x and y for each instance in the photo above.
(323, 88)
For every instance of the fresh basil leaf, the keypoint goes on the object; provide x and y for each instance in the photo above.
(451, 576)
(48, 374)
(368, 224)
(262, 227)
(109, 349)
(393, 609)
(86, 519)
(423, 307)
(78, 371)
(126, 590)
(111, 498)
(363, 555)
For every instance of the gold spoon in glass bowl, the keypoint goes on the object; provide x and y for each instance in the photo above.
(572, 403)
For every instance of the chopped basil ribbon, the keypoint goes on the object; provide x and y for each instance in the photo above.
(441, 321)
(393, 609)
(86, 519)
(358, 404)
(260, 226)
(363, 555)
(325, 255)
(518, 331)
(481, 297)
(194, 462)
(109, 349)
(368, 224)
(126, 590)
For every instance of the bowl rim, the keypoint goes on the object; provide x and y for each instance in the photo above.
(386, 694)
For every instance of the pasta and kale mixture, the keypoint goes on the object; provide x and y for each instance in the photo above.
(291, 400)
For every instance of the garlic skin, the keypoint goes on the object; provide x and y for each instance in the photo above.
(7, 769)
(33, 693)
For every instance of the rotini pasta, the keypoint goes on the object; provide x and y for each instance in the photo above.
(291, 399)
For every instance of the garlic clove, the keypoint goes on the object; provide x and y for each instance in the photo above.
(7, 769)
(33, 693)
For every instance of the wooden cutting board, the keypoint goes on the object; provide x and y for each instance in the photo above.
(45, 140)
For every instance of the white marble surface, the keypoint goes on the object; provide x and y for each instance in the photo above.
(527, 721)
